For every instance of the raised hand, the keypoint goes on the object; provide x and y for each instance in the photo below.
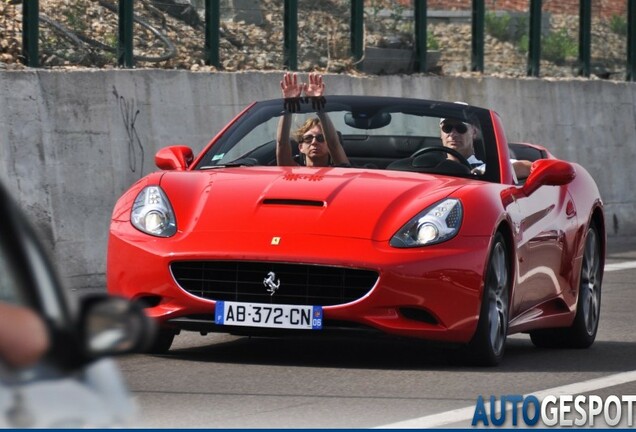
(315, 87)
(290, 86)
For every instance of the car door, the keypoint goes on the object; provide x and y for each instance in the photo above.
(544, 230)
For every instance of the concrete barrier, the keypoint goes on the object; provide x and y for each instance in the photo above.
(72, 142)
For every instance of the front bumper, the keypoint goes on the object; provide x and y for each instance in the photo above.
(431, 293)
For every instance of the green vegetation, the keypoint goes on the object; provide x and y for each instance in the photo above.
(75, 20)
(559, 46)
(556, 47)
(506, 27)
(618, 24)
(111, 40)
(497, 25)
(431, 41)
(524, 44)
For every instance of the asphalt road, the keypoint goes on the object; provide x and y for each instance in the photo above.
(221, 381)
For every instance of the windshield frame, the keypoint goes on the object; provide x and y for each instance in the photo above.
(263, 111)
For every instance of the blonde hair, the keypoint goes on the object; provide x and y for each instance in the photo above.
(307, 125)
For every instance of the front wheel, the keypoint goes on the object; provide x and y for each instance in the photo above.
(582, 332)
(488, 344)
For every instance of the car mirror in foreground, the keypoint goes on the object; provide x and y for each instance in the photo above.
(114, 326)
(548, 172)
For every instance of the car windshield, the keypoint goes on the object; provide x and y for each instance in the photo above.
(376, 133)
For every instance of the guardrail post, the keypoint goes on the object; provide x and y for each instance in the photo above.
(534, 44)
(421, 36)
(631, 40)
(290, 20)
(212, 38)
(30, 32)
(477, 41)
(585, 36)
(357, 29)
(125, 37)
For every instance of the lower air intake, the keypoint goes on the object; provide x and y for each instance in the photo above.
(299, 284)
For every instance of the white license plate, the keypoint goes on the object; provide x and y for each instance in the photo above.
(268, 315)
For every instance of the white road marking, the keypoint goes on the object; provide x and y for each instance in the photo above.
(620, 266)
(467, 413)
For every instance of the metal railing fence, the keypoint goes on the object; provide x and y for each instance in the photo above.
(533, 38)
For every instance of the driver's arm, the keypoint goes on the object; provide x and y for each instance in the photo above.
(480, 170)
(522, 168)
(283, 144)
(338, 154)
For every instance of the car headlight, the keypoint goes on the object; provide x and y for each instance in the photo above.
(437, 223)
(152, 213)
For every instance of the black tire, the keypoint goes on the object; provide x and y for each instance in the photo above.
(162, 342)
(582, 332)
(488, 344)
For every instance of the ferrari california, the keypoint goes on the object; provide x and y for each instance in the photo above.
(403, 240)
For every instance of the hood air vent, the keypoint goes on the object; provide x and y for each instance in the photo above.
(294, 202)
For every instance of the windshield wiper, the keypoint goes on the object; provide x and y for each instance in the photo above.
(235, 163)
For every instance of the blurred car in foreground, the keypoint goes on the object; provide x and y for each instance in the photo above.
(405, 241)
(74, 384)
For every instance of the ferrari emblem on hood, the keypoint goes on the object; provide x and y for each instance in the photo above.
(271, 283)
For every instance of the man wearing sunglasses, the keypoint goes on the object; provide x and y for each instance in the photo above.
(317, 138)
(460, 136)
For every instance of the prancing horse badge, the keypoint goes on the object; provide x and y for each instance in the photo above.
(271, 283)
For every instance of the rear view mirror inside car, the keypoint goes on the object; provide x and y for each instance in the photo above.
(362, 120)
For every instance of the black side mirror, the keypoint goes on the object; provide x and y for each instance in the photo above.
(113, 326)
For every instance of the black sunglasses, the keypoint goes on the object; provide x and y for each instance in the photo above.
(308, 139)
(459, 127)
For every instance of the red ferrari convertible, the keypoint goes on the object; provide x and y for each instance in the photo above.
(402, 241)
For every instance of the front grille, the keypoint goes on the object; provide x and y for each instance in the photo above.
(300, 284)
